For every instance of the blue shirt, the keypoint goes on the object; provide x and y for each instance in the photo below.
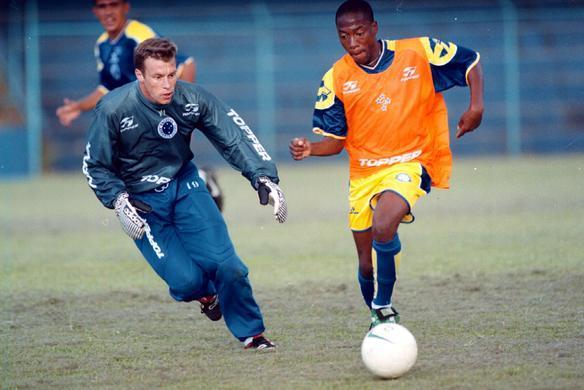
(115, 57)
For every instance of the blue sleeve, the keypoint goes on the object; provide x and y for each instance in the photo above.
(449, 63)
(329, 112)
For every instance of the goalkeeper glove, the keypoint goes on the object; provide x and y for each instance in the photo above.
(127, 212)
(270, 192)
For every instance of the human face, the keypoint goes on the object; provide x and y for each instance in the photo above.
(112, 14)
(358, 37)
(158, 80)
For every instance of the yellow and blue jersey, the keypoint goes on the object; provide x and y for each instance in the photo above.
(449, 65)
(394, 111)
(115, 57)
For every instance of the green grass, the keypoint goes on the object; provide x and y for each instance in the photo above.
(491, 285)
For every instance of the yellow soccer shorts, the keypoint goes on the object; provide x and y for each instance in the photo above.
(409, 180)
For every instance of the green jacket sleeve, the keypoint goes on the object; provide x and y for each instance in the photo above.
(234, 139)
(99, 157)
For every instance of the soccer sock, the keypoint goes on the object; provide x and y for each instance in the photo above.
(386, 275)
(367, 288)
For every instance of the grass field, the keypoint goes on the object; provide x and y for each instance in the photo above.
(491, 285)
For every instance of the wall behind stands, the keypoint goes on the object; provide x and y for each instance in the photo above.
(266, 59)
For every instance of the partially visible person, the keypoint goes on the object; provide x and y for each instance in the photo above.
(114, 53)
(382, 102)
(138, 162)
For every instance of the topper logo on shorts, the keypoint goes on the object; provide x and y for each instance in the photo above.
(167, 128)
(261, 151)
(376, 162)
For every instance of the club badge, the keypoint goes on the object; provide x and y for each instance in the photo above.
(403, 177)
(167, 128)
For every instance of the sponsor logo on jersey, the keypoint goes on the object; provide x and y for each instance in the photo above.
(409, 73)
(191, 109)
(127, 123)
(376, 162)
(167, 128)
(260, 150)
(155, 179)
(383, 101)
(353, 211)
(350, 87)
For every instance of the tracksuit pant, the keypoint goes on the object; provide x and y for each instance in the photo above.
(187, 245)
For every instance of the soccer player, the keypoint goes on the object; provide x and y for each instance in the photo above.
(382, 102)
(114, 53)
(138, 162)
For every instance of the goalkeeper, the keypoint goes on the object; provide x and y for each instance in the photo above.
(138, 162)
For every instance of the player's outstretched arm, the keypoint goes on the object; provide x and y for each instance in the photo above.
(472, 118)
(71, 109)
(301, 148)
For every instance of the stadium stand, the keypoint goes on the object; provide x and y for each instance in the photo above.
(266, 60)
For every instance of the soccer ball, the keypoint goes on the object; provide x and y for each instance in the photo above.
(389, 350)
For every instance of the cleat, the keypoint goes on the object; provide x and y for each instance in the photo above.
(385, 315)
(210, 307)
(258, 342)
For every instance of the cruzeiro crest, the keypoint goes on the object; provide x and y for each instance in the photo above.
(167, 128)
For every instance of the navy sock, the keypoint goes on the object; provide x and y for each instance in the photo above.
(386, 275)
(367, 288)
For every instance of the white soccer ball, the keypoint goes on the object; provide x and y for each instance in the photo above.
(389, 350)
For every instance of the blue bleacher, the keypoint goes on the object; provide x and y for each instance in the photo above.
(223, 38)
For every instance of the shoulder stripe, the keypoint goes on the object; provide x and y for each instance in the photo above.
(472, 66)
(97, 57)
(319, 131)
(101, 38)
(390, 44)
(139, 31)
(325, 97)
(438, 52)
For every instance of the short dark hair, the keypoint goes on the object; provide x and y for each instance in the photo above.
(157, 48)
(355, 6)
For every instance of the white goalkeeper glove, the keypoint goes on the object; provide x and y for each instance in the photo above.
(270, 192)
(127, 212)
